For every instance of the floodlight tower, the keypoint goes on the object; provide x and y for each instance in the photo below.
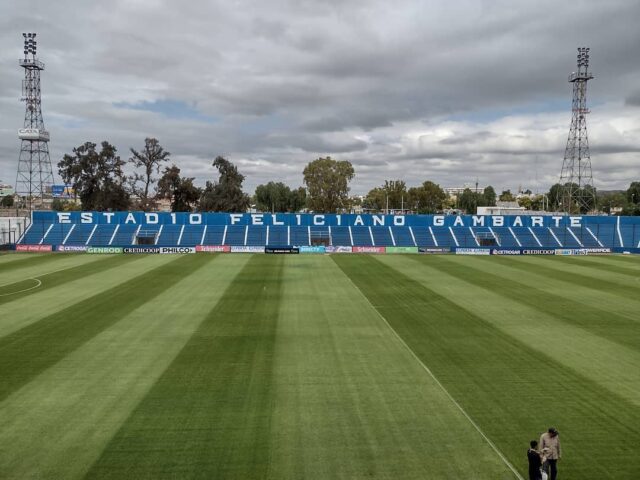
(576, 179)
(35, 176)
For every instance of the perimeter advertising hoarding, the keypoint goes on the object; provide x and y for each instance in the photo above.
(71, 248)
(434, 250)
(473, 251)
(34, 248)
(104, 250)
(141, 250)
(282, 250)
(177, 250)
(368, 250)
(247, 249)
(213, 248)
(313, 249)
(401, 249)
(338, 249)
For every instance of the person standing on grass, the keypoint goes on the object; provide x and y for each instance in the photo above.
(535, 462)
(551, 441)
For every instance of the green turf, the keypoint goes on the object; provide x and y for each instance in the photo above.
(254, 366)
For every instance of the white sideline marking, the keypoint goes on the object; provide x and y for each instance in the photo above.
(20, 291)
(446, 392)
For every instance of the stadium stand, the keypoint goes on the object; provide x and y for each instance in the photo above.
(421, 231)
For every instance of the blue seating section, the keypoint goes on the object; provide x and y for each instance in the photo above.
(169, 235)
(79, 235)
(402, 236)
(361, 236)
(278, 236)
(382, 237)
(590, 235)
(340, 236)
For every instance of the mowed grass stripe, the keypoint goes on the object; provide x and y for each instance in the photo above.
(511, 391)
(598, 299)
(607, 363)
(27, 352)
(60, 262)
(18, 290)
(351, 401)
(617, 328)
(46, 302)
(209, 414)
(605, 263)
(17, 261)
(93, 390)
(600, 277)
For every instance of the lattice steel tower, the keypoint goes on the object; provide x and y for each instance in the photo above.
(35, 177)
(577, 193)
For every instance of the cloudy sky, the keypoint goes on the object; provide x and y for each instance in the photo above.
(448, 91)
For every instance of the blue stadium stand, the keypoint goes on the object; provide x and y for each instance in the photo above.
(79, 235)
(300, 235)
(362, 236)
(214, 235)
(169, 235)
(236, 235)
(278, 236)
(192, 235)
(340, 236)
(382, 237)
(404, 237)
(424, 237)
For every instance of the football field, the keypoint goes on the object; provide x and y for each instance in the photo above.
(315, 366)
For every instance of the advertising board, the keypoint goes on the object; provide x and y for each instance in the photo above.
(282, 250)
(337, 249)
(473, 251)
(433, 250)
(240, 249)
(401, 249)
(104, 250)
(538, 251)
(312, 249)
(368, 250)
(178, 250)
(505, 251)
(34, 248)
(141, 250)
(213, 248)
(71, 248)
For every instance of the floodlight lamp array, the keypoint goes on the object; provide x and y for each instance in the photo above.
(30, 44)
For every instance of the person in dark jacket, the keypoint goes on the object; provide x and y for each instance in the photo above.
(535, 462)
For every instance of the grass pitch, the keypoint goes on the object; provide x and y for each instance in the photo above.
(343, 366)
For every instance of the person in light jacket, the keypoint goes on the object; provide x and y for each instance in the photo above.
(551, 442)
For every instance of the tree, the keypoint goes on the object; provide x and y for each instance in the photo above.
(96, 177)
(609, 201)
(427, 198)
(507, 196)
(184, 195)
(278, 197)
(489, 196)
(226, 194)
(61, 205)
(7, 201)
(392, 195)
(468, 201)
(633, 193)
(149, 160)
(327, 182)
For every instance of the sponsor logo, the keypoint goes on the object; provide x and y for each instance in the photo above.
(473, 251)
(34, 248)
(337, 249)
(71, 248)
(104, 250)
(433, 250)
(597, 251)
(312, 249)
(247, 249)
(571, 251)
(538, 252)
(495, 251)
(401, 249)
(368, 250)
(282, 250)
(213, 248)
(141, 250)
(178, 250)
